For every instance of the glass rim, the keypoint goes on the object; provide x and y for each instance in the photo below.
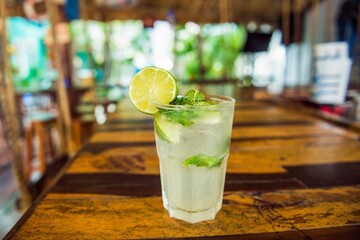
(223, 102)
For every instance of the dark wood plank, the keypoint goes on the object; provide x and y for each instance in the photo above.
(243, 142)
(259, 236)
(266, 156)
(332, 233)
(149, 184)
(110, 183)
(327, 175)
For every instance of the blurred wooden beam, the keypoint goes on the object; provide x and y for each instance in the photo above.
(9, 108)
(90, 11)
(329, 20)
(314, 20)
(200, 11)
(63, 100)
(285, 12)
(83, 9)
(14, 9)
(225, 11)
(197, 8)
(182, 16)
(297, 20)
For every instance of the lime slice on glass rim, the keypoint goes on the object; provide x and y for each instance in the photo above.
(152, 84)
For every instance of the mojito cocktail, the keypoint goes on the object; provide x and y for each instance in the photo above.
(192, 143)
(193, 134)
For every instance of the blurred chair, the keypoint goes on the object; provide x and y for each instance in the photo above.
(84, 123)
(41, 131)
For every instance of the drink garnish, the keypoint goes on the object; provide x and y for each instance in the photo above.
(152, 84)
(166, 130)
(202, 161)
(192, 97)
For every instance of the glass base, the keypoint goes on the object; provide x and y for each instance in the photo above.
(192, 217)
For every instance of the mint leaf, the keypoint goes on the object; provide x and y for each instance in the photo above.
(179, 116)
(186, 118)
(194, 95)
(179, 100)
(191, 97)
(202, 161)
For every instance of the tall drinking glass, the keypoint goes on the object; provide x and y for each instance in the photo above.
(193, 145)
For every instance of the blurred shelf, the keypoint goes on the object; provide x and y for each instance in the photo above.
(22, 91)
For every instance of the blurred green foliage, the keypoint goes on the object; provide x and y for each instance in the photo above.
(222, 44)
(187, 62)
(112, 52)
(211, 51)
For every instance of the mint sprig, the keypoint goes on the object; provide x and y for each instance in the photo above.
(194, 95)
(203, 161)
(191, 97)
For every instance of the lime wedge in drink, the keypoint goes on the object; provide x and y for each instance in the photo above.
(166, 130)
(152, 84)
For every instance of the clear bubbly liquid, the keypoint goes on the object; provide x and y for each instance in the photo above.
(193, 193)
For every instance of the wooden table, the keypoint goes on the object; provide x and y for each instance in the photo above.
(289, 176)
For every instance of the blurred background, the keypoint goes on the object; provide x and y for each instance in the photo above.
(65, 64)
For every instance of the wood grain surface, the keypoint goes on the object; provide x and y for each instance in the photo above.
(112, 217)
(289, 176)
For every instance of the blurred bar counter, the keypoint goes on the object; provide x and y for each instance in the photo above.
(290, 175)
